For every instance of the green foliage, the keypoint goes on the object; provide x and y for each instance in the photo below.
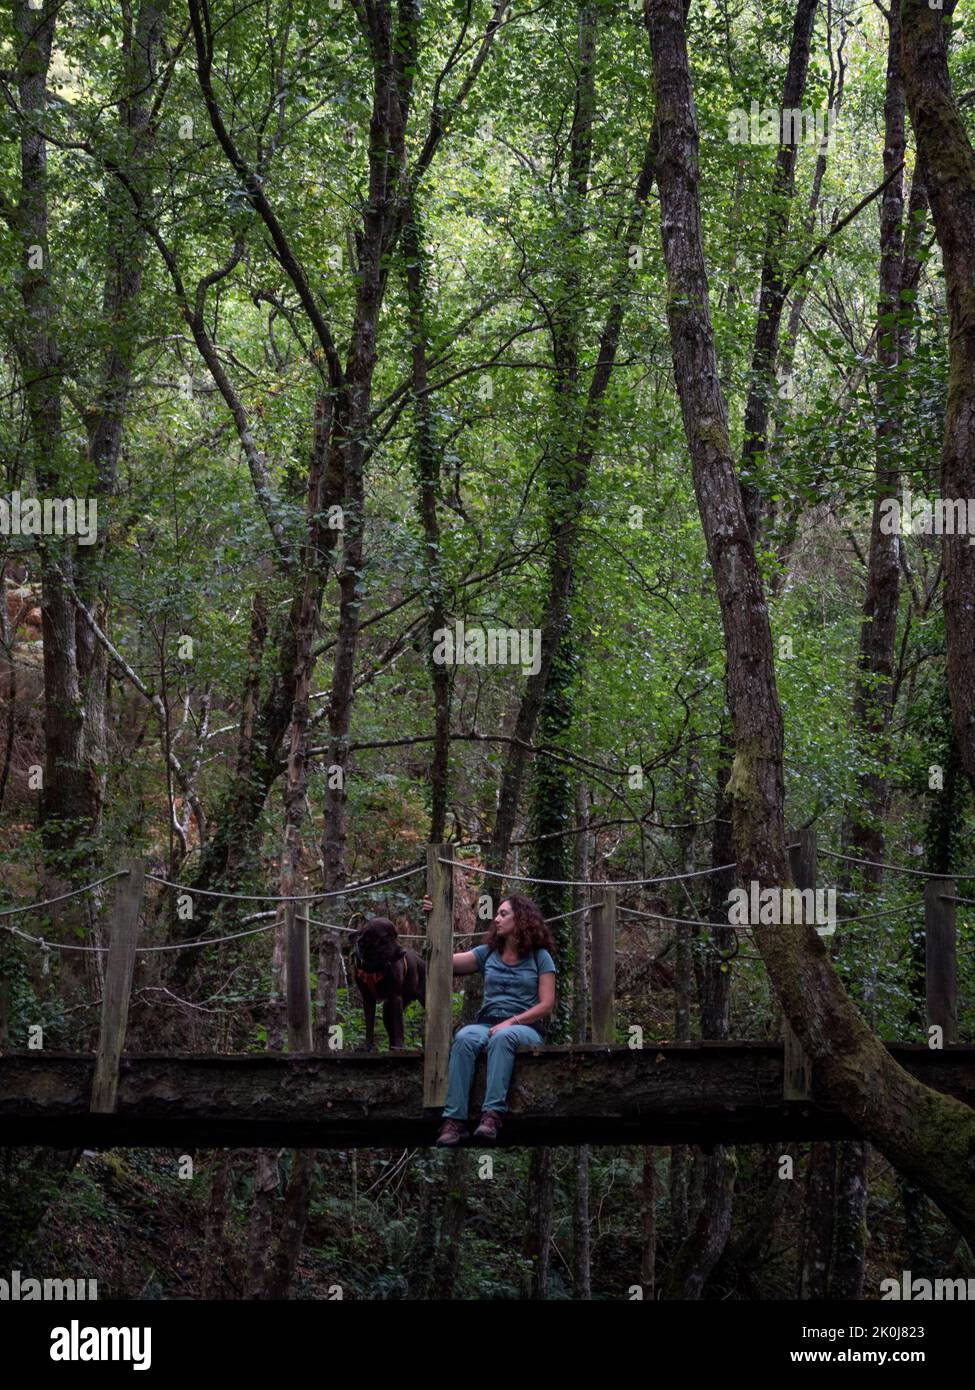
(514, 261)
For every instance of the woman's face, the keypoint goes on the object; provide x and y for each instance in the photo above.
(504, 919)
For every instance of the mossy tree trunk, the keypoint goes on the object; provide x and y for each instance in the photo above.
(925, 1135)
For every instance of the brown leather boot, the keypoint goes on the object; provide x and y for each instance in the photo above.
(452, 1133)
(487, 1130)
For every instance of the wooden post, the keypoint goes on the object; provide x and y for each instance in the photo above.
(604, 965)
(298, 974)
(118, 987)
(797, 1071)
(4, 1011)
(440, 977)
(939, 956)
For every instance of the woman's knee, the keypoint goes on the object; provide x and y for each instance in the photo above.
(470, 1038)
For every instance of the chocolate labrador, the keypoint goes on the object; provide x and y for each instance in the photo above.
(386, 970)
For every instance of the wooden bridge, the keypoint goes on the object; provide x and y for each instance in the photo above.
(701, 1093)
(597, 1093)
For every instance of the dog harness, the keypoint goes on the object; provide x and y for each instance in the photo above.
(371, 978)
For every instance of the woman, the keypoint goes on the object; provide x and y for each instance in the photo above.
(519, 992)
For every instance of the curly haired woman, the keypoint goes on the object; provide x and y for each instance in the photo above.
(519, 993)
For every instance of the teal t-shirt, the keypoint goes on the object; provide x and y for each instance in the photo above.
(511, 989)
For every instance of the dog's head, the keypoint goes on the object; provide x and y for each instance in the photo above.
(376, 945)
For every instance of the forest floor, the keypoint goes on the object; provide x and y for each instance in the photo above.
(128, 1220)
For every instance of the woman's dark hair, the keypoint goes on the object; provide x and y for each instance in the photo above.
(531, 930)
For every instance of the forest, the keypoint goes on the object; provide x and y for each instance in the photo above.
(463, 446)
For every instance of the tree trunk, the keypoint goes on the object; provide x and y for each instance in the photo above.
(261, 1220)
(66, 795)
(716, 1000)
(105, 416)
(864, 830)
(917, 1241)
(8, 688)
(293, 1221)
(680, 1154)
(394, 56)
(648, 1224)
(215, 1245)
(232, 848)
(864, 835)
(581, 1241)
(837, 81)
(742, 1255)
(428, 470)
(552, 808)
(75, 665)
(927, 1136)
(817, 1234)
(296, 773)
(294, 1216)
(850, 1221)
(948, 161)
(773, 290)
(577, 427)
(581, 872)
(450, 1244)
(712, 1189)
(679, 1175)
(538, 1226)
(698, 1255)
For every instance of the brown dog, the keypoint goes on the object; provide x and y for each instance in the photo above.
(386, 970)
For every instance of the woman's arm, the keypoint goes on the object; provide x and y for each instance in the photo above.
(465, 962)
(545, 1005)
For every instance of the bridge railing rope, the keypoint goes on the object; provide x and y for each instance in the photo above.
(939, 902)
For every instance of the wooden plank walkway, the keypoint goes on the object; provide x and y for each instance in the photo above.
(702, 1093)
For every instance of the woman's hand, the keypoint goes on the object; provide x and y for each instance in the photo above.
(496, 1028)
(427, 905)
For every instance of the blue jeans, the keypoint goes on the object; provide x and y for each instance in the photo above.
(468, 1043)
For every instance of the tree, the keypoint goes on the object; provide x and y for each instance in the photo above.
(927, 1136)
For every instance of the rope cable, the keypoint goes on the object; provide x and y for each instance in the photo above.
(62, 897)
(293, 898)
(585, 882)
